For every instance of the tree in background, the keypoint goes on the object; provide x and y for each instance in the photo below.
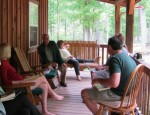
(93, 20)
(81, 20)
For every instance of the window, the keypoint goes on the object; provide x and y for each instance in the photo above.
(33, 24)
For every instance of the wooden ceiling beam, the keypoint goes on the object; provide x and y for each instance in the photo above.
(119, 2)
(131, 7)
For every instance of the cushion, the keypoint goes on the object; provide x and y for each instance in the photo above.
(37, 91)
(51, 74)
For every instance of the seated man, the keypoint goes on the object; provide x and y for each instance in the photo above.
(102, 71)
(120, 68)
(49, 53)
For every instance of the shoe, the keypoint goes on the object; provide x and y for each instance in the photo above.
(63, 84)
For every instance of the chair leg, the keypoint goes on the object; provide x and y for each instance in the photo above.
(99, 112)
(109, 111)
(122, 113)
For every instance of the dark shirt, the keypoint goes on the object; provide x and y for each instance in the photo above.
(55, 51)
(123, 64)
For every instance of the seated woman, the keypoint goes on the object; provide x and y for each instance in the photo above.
(10, 76)
(18, 106)
(70, 59)
(102, 71)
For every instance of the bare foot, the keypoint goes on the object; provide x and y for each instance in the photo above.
(58, 97)
(79, 78)
(47, 113)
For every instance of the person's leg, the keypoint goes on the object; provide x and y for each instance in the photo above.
(12, 106)
(42, 83)
(85, 61)
(92, 96)
(76, 66)
(63, 71)
(92, 105)
(18, 104)
(42, 80)
(24, 111)
(27, 104)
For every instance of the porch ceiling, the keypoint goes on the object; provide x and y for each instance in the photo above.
(123, 2)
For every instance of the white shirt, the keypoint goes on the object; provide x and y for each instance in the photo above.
(65, 54)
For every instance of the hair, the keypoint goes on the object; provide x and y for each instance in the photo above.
(5, 51)
(116, 43)
(45, 34)
(121, 37)
(59, 43)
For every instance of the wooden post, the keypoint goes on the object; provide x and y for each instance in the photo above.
(117, 18)
(129, 24)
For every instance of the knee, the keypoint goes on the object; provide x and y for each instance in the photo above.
(77, 63)
(84, 93)
(44, 86)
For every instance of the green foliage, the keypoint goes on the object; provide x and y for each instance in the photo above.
(68, 19)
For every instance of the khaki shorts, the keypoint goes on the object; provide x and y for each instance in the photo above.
(105, 95)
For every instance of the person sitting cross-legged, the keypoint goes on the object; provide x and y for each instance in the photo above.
(10, 76)
(120, 68)
(49, 53)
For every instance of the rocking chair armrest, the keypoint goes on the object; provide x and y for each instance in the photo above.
(21, 85)
(33, 71)
(43, 65)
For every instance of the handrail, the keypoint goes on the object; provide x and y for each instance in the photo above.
(143, 99)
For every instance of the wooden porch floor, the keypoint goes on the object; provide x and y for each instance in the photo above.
(72, 103)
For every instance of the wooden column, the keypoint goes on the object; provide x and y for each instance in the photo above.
(129, 24)
(117, 18)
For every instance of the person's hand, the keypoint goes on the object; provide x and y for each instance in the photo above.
(99, 67)
(95, 81)
(64, 65)
(67, 46)
(70, 57)
(106, 67)
(55, 65)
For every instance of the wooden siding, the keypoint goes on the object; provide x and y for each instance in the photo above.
(14, 24)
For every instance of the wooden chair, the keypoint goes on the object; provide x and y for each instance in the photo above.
(128, 101)
(25, 86)
(20, 58)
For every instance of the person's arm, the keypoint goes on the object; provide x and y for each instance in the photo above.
(115, 74)
(112, 82)
(4, 76)
(13, 74)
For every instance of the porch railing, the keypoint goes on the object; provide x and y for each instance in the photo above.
(143, 99)
(103, 53)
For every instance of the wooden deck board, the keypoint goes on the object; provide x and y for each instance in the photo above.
(72, 103)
